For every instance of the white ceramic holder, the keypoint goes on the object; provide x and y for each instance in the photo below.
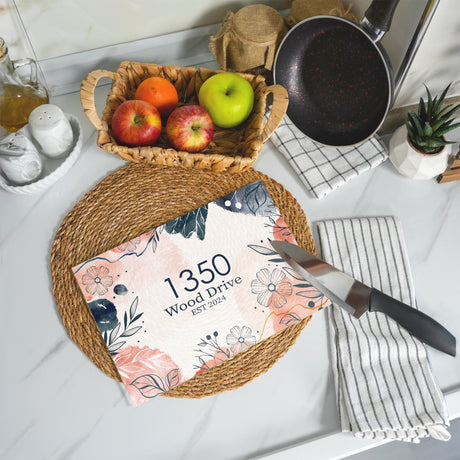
(51, 129)
(20, 161)
(55, 168)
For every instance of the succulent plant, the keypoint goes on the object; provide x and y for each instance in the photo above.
(426, 129)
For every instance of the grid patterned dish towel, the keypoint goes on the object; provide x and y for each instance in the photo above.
(384, 384)
(323, 169)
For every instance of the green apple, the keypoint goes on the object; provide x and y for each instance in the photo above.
(228, 97)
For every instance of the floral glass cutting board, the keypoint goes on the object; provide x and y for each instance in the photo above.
(194, 292)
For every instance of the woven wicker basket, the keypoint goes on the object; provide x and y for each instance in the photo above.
(232, 149)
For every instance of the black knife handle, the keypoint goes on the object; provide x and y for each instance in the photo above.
(417, 323)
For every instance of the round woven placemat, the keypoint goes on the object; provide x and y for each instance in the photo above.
(132, 200)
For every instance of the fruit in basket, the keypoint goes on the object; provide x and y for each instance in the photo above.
(136, 123)
(228, 97)
(190, 128)
(159, 92)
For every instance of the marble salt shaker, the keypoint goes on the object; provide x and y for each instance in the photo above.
(20, 161)
(51, 130)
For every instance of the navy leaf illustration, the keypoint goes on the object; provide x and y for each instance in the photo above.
(133, 307)
(251, 199)
(118, 332)
(131, 331)
(194, 221)
(293, 273)
(114, 332)
(116, 346)
(173, 378)
(290, 318)
(256, 197)
(313, 294)
(262, 250)
(149, 385)
(136, 317)
(155, 238)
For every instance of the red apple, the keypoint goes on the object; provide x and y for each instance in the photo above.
(136, 123)
(190, 128)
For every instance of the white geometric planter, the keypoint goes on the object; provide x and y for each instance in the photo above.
(413, 163)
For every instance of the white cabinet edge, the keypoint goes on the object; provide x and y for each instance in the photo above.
(338, 445)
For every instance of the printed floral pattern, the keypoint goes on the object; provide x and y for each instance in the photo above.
(240, 339)
(252, 199)
(105, 314)
(271, 288)
(129, 246)
(97, 280)
(146, 372)
(219, 357)
(246, 300)
(211, 353)
(281, 231)
(299, 287)
(187, 225)
(114, 338)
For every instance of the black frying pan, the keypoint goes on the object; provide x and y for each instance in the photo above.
(339, 78)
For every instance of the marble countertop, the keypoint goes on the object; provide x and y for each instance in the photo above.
(56, 404)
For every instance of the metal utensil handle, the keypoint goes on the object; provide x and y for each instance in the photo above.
(380, 14)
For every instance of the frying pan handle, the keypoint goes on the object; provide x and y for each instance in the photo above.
(380, 14)
(279, 107)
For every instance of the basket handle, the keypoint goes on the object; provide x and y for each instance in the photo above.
(279, 107)
(87, 88)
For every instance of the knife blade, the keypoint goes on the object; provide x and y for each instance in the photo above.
(357, 298)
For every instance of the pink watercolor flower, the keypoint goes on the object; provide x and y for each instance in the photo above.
(281, 231)
(146, 372)
(129, 246)
(271, 288)
(220, 356)
(97, 280)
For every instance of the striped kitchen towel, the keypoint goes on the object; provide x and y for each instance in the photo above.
(323, 169)
(384, 384)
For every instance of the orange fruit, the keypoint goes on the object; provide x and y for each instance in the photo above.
(159, 92)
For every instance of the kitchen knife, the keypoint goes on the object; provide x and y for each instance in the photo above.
(357, 298)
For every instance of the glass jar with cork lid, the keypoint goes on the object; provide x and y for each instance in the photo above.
(20, 90)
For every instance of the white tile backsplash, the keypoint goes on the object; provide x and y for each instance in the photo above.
(59, 27)
(12, 31)
(63, 27)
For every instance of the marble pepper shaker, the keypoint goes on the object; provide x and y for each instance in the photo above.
(20, 161)
(51, 129)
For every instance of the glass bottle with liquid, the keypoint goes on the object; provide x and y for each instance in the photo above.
(20, 90)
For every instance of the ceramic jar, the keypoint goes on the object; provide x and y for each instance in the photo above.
(413, 163)
(20, 161)
(51, 130)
